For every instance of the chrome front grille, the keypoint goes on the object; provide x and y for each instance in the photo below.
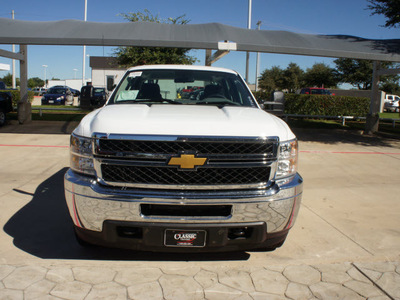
(142, 161)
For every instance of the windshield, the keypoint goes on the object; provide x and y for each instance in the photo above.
(99, 90)
(320, 92)
(56, 91)
(182, 87)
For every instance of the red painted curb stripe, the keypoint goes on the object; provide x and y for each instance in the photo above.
(35, 146)
(349, 152)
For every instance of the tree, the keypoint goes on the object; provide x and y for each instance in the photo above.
(293, 78)
(133, 56)
(320, 75)
(355, 72)
(271, 79)
(391, 87)
(389, 8)
(7, 79)
(35, 82)
(358, 72)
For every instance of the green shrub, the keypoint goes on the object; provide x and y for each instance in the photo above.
(325, 105)
(16, 96)
(262, 95)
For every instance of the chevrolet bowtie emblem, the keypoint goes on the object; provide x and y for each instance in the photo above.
(187, 161)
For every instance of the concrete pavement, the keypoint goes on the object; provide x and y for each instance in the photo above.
(344, 245)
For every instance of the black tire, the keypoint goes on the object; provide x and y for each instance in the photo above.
(3, 117)
(273, 242)
(82, 242)
(271, 247)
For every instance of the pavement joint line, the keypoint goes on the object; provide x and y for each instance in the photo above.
(337, 229)
(35, 146)
(373, 282)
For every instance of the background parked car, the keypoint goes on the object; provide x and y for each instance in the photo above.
(56, 95)
(99, 97)
(5, 106)
(389, 98)
(74, 92)
(39, 91)
(92, 97)
(316, 91)
(392, 106)
(391, 103)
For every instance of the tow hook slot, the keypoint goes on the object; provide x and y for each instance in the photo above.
(130, 232)
(240, 233)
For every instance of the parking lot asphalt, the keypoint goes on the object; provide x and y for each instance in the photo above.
(344, 245)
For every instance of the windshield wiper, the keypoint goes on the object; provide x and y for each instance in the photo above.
(148, 101)
(218, 103)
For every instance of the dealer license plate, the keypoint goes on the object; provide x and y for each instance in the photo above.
(184, 238)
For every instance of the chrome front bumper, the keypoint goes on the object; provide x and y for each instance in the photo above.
(90, 204)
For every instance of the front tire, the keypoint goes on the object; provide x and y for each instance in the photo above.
(82, 242)
(3, 117)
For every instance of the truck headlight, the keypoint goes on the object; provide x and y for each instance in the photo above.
(287, 159)
(81, 155)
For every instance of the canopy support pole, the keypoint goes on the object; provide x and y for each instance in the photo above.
(24, 108)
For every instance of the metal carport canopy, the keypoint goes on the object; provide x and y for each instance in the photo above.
(199, 36)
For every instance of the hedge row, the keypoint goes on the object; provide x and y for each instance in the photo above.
(321, 105)
(325, 105)
(16, 96)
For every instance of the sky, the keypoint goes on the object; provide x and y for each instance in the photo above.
(348, 17)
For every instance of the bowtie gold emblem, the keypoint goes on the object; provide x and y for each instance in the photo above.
(187, 161)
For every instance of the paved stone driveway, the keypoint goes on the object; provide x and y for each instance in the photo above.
(345, 244)
(330, 281)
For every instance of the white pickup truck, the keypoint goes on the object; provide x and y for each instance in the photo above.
(182, 159)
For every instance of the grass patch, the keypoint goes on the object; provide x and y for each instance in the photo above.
(58, 117)
(389, 115)
(58, 109)
(52, 116)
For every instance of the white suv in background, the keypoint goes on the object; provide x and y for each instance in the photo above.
(392, 103)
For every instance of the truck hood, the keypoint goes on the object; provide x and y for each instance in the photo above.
(186, 120)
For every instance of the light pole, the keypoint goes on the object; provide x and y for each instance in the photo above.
(45, 83)
(84, 49)
(258, 59)
(14, 85)
(75, 70)
(248, 53)
(88, 57)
